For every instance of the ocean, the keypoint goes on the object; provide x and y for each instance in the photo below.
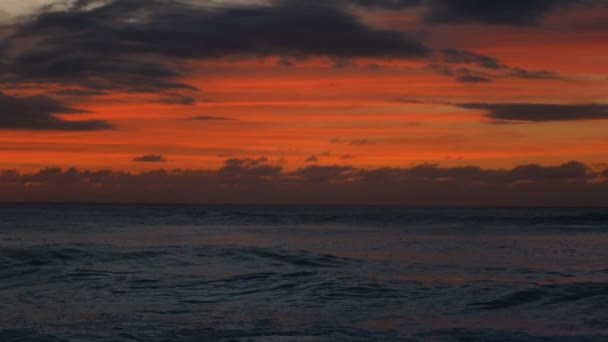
(81, 272)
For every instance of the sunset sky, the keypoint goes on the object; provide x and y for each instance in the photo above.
(132, 86)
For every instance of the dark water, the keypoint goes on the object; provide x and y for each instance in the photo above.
(239, 273)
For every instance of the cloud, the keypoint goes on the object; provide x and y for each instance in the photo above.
(150, 158)
(210, 118)
(362, 142)
(457, 56)
(324, 174)
(248, 170)
(177, 99)
(536, 112)
(511, 13)
(460, 74)
(258, 180)
(145, 45)
(79, 92)
(311, 159)
(386, 4)
(40, 112)
(286, 62)
(532, 172)
(535, 74)
(570, 170)
(490, 64)
(62, 59)
(472, 79)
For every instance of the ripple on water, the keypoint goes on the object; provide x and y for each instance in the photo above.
(548, 295)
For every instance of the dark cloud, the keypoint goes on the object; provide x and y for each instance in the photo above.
(178, 99)
(446, 70)
(209, 118)
(511, 12)
(286, 62)
(311, 159)
(432, 171)
(342, 63)
(412, 101)
(472, 79)
(460, 74)
(324, 174)
(144, 45)
(571, 170)
(64, 60)
(499, 69)
(535, 112)
(79, 92)
(40, 113)
(249, 170)
(535, 74)
(177, 29)
(508, 12)
(362, 142)
(259, 180)
(456, 56)
(150, 158)
(386, 4)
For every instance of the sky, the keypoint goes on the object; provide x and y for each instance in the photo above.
(298, 101)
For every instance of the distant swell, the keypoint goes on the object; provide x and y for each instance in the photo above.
(548, 295)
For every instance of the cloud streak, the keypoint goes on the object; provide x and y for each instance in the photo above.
(150, 158)
(457, 56)
(460, 74)
(40, 112)
(538, 112)
(210, 118)
(491, 68)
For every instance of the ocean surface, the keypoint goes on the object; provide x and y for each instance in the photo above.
(293, 273)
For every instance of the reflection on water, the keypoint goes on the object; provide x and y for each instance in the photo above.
(239, 273)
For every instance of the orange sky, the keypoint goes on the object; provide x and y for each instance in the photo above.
(368, 112)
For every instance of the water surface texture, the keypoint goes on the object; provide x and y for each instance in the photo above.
(272, 273)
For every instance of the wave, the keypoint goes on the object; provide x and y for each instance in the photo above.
(264, 331)
(548, 295)
(37, 217)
